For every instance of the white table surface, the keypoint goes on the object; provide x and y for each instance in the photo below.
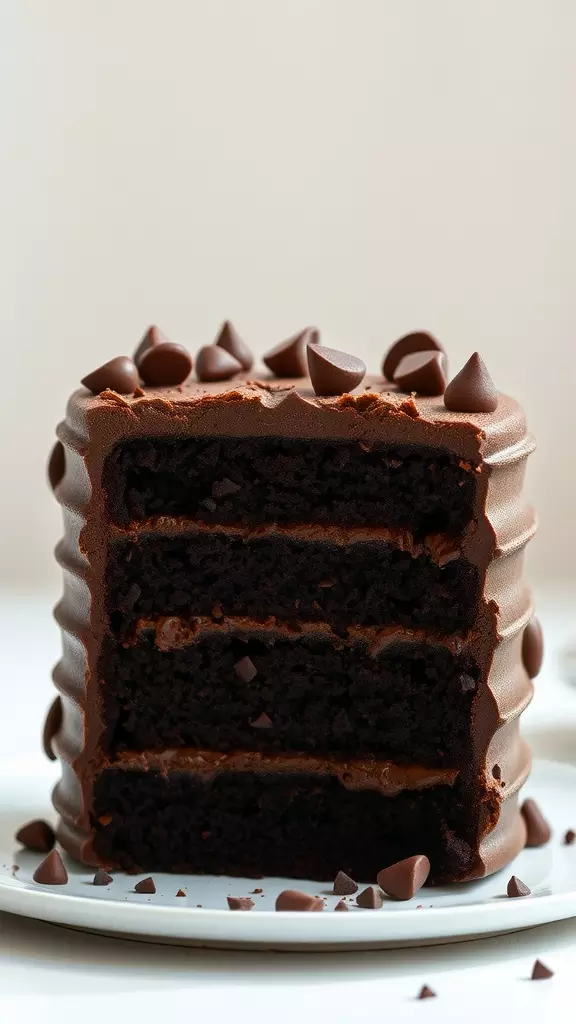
(50, 973)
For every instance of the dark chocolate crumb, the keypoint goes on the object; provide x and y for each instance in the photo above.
(146, 886)
(516, 887)
(245, 669)
(180, 892)
(262, 722)
(540, 972)
(569, 837)
(370, 898)
(426, 993)
(240, 902)
(102, 878)
(344, 885)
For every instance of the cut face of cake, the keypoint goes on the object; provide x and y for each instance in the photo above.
(292, 631)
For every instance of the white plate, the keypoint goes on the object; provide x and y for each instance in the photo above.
(434, 915)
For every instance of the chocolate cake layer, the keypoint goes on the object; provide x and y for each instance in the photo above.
(256, 480)
(407, 702)
(300, 826)
(368, 583)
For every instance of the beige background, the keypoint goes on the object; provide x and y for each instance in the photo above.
(370, 166)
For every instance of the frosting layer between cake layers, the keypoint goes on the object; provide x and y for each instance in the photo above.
(326, 603)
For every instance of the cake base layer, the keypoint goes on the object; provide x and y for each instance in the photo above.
(299, 826)
(256, 480)
(407, 702)
(370, 583)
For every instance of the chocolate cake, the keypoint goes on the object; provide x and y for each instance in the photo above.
(293, 614)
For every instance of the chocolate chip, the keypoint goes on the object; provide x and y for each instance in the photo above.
(146, 886)
(262, 722)
(293, 899)
(180, 892)
(165, 365)
(240, 902)
(37, 836)
(333, 372)
(471, 390)
(533, 647)
(51, 727)
(341, 906)
(246, 670)
(102, 878)
(51, 871)
(344, 885)
(569, 837)
(538, 830)
(289, 358)
(516, 887)
(403, 879)
(422, 372)
(119, 374)
(370, 898)
(497, 772)
(540, 972)
(222, 488)
(215, 363)
(56, 465)
(150, 339)
(417, 341)
(426, 993)
(231, 342)
(257, 892)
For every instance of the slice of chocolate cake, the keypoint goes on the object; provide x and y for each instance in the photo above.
(293, 616)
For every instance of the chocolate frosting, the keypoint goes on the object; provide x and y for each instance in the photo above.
(495, 443)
